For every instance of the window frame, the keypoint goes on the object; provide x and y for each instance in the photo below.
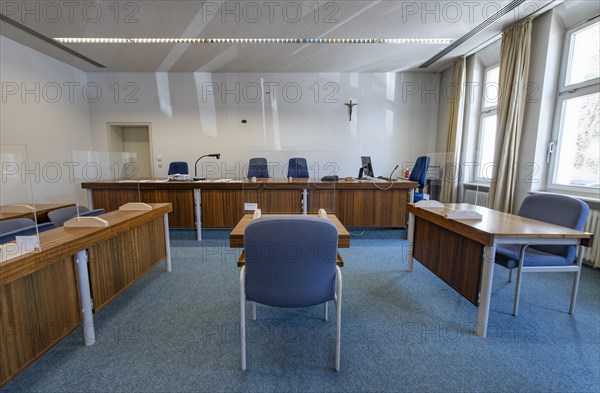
(564, 93)
(483, 113)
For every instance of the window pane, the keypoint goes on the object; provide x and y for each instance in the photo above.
(486, 146)
(579, 144)
(585, 59)
(490, 90)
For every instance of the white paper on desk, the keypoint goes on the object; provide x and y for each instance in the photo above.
(250, 206)
(11, 250)
(28, 243)
(464, 215)
(429, 203)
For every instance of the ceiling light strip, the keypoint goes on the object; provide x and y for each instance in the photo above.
(49, 40)
(389, 41)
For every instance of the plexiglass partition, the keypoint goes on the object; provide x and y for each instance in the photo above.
(93, 166)
(19, 230)
(289, 181)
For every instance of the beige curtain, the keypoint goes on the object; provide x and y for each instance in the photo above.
(450, 179)
(514, 71)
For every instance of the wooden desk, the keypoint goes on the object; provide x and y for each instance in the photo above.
(41, 210)
(41, 293)
(462, 252)
(220, 204)
(236, 237)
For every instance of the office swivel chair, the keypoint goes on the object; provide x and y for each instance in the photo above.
(554, 209)
(178, 167)
(277, 276)
(419, 174)
(297, 167)
(257, 167)
(59, 216)
(9, 229)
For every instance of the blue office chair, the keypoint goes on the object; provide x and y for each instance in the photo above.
(419, 174)
(21, 230)
(257, 167)
(59, 216)
(15, 224)
(290, 262)
(554, 209)
(297, 167)
(178, 167)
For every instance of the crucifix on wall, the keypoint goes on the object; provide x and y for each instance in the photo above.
(350, 105)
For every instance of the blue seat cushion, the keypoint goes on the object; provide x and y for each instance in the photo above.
(508, 256)
(418, 197)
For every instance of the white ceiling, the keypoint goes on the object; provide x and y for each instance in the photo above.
(208, 19)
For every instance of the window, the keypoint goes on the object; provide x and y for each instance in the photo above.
(487, 125)
(575, 146)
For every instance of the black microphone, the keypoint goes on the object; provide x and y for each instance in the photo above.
(394, 170)
(216, 155)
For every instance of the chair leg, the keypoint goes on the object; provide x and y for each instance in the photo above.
(243, 318)
(338, 316)
(325, 309)
(510, 275)
(580, 251)
(253, 304)
(519, 276)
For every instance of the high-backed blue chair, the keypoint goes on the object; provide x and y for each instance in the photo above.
(9, 229)
(290, 262)
(419, 174)
(297, 167)
(257, 167)
(59, 216)
(178, 167)
(554, 209)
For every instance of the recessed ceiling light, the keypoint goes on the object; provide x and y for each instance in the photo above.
(388, 41)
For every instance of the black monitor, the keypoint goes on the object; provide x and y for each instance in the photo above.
(367, 167)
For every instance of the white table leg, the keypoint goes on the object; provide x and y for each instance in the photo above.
(412, 195)
(410, 236)
(197, 207)
(85, 296)
(304, 201)
(90, 199)
(489, 254)
(167, 242)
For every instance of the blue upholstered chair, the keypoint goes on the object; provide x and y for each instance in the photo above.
(297, 167)
(9, 229)
(178, 167)
(290, 262)
(554, 209)
(419, 174)
(14, 224)
(59, 216)
(257, 167)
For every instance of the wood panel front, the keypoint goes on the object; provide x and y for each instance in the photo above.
(182, 215)
(456, 259)
(116, 263)
(224, 208)
(372, 208)
(36, 311)
(280, 201)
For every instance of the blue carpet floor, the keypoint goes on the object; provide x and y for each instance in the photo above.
(401, 332)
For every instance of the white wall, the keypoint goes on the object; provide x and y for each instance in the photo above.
(394, 122)
(42, 108)
(65, 109)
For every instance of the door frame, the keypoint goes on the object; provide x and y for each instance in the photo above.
(134, 124)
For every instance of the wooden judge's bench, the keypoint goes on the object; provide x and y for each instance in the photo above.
(222, 203)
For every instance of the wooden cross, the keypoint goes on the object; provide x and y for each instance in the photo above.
(350, 105)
